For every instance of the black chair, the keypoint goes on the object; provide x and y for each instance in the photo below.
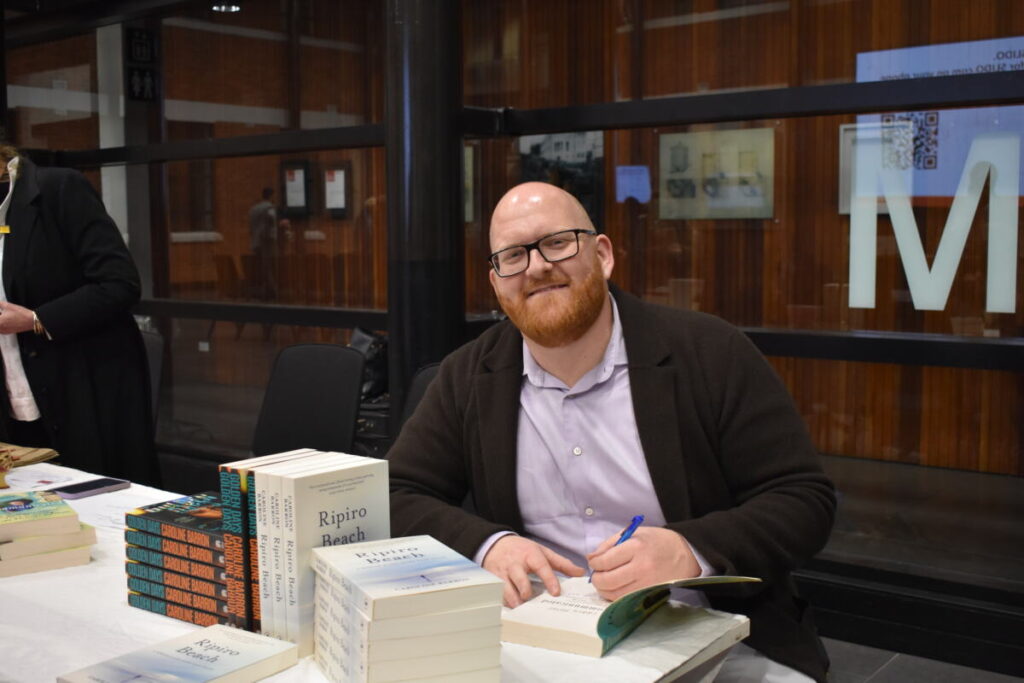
(154, 343)
(311, 401)
(421, 379)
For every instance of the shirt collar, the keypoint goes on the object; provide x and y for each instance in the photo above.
(12, 174)
(614, 355)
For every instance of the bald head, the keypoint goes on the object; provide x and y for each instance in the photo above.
(534, 208)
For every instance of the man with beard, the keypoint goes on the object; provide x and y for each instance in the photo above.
(590, 406)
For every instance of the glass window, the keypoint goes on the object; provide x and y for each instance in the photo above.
(52, 94)
(215, 377)
(261, 71)
(304, 229)
(754, 221)
(541, 53)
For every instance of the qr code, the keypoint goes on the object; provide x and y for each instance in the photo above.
(925, 137)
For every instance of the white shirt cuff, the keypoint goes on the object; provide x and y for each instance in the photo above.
(705, 568)
(486, 546)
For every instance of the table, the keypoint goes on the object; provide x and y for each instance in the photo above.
(57, 621)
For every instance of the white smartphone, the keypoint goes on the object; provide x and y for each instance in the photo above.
(83, 489)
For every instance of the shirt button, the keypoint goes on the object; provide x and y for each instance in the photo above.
(577, 451)
(589, 512)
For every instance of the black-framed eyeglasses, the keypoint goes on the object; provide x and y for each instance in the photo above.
(558, 246)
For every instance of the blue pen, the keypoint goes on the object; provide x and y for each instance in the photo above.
(637, 521)
(623, 537)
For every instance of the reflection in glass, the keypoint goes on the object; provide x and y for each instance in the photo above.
(232, 238)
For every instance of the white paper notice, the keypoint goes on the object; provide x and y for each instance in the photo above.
(295, 188)
(334, 188)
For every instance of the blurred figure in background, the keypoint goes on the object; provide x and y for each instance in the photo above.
(74, 361)
(263, 240)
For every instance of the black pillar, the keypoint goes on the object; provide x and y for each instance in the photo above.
(426, 311)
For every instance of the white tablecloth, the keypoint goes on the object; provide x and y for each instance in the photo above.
(57, 621)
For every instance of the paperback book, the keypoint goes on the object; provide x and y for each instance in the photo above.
(179, 596)
(176, 564)
(33, 545)
(237, 482)
(332, 500)
(334, 611)
(171, 579)
(217, 653)
(404, 577)
(171, 547)
(582, 622)
(196, 520)
(35, 513)
(55, 559)
(174, 610)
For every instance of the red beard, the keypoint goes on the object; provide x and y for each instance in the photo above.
(554, 320)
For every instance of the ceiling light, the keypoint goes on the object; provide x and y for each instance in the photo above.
(226, 7)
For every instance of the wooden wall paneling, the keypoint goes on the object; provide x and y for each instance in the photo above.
(379, 255)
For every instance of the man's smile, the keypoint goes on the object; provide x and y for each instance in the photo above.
(547, 288)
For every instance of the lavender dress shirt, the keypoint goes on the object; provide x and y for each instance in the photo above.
(580, 469)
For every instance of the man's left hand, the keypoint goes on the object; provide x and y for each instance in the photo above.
(14, 318)
(651, 555)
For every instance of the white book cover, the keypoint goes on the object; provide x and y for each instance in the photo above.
(265, 525)
(404, 577)
(215, 653)
(343, 502)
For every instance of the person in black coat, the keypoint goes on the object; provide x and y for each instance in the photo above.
(74, 362)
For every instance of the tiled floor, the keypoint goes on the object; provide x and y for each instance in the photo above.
(852, 663)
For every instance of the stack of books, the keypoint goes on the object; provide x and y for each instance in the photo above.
(175, 559)
(39, 531)
(277, 508)
(406, 609)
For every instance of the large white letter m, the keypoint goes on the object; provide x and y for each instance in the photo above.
(995, 154)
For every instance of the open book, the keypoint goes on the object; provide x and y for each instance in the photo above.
(582, 622)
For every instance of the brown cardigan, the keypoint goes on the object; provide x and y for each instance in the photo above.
(732, 464)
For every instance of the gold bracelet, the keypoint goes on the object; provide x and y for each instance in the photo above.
(37, 326)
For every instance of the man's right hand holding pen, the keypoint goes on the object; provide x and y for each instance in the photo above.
(650, 555)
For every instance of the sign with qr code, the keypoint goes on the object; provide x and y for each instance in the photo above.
(940, 140)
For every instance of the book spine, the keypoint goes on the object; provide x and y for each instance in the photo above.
(290, 569)
(176, 595)
(346, 590)
(340, 644)
(172, 547)
(201, 537)
(184, 582)
(170, 609)
(253, 575)
(263, 530)
(176, 564)
(235, 546)
(277, 558)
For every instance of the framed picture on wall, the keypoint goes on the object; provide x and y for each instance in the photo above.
(338, 189)
(295, 183)
(717, 174)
